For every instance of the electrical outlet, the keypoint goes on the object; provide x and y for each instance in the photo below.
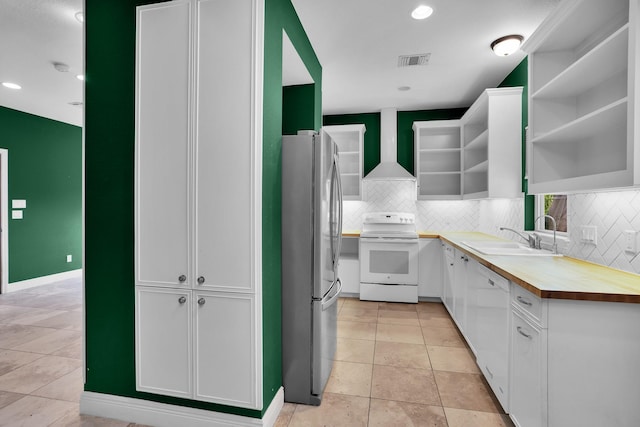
(589, 234)
(631, 241)
(69, 258)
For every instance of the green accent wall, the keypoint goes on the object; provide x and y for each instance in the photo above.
(45, 169)
(405, 119)
(298, 108)
(109, 198)
(519, 77)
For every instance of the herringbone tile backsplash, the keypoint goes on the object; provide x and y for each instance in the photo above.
(611, 212)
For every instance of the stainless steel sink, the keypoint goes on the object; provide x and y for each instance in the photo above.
(489, 247)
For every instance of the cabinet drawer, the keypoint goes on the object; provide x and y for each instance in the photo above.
(530, 304)
(493, 279)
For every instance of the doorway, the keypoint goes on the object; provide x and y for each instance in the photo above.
(4, 220)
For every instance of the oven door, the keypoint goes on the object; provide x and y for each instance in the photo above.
(389, 261)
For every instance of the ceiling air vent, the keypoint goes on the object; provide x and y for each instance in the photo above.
(411, 60)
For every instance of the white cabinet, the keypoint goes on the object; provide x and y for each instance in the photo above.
(438, 159)
(492, 145)
(448, 276)
(583, 101)
(350, 141)
(476, 156)
(459, 285)
(430, 269)
(198, 128)
(349, 266)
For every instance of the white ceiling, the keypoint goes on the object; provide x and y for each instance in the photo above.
(357, 42)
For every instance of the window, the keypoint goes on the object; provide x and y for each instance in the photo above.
(554, 205)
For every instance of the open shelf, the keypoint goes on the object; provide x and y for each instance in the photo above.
(479, 142)
(349, 139)
(479, 167)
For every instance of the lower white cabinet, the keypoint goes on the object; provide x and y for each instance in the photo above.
(528, 359)
(216, 363)
(459, 287)
(448, 277)
(430, 269)
(349, 266)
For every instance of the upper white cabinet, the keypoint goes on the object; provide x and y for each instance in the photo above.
(583, 97)
(475, 157)
(198, 199)
(438, 159)
(350, 141)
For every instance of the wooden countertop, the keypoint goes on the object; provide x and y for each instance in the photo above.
(421, 234)
(350, 233)
(555, 277)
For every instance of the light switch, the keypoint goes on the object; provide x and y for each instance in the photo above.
(589, 234)
(16, 214)
(631, 241)
(18, 204)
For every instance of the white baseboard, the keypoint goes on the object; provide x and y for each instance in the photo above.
(165, 415)
(38, 281)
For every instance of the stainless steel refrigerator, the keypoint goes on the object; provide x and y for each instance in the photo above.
(311, 240)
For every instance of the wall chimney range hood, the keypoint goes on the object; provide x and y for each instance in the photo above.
(389, 169)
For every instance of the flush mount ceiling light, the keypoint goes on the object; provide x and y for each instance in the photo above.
(11, 85)
(505, 46)
(61, 67)
(80, 17)
(422, 12)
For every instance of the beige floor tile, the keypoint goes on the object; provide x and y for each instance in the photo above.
(335, 411)
(432, 307)
(455, 359)
(358, 314)
(356, 330)
(38, 373)
(14, 335)
(350, 350)
(445, 337)
(435, 320)
(398, 306)
(399, 333)
(77, 420)
(404, 384)
(398, 317)
(33, 411)
(285, 415)
(53, 341)
(33, 316)
(68, 387)
(72, 351)
(7, 398)
(350, 378)
(63, 320)
(10, 360)
(464, 418)
(356, 303)
(465, 391)
(388, 413)
(401, 355)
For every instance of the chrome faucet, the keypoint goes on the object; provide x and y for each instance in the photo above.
(529, 238)
(537, 237)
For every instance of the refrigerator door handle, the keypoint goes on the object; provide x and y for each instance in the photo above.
(328, 303)
(339, 180)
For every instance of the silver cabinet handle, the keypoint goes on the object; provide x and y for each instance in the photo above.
(182, 300)
(491, 282)
(524, 334)
(523, 301)
(488, 371)
(201, 301)
(182, 278)
(200, 280)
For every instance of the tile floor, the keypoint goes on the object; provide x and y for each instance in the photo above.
(41, 345)
(400, 365)
(396, 365)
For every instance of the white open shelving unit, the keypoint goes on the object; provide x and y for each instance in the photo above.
(350, 140)
(582, 104)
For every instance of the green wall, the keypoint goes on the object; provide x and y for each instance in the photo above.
(519, 77)
(298, 108)
(109, 168)
(405, 119)
(45, 169)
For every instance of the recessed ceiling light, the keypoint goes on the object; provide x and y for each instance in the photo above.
(11, 85)
(505, 46)
(422, 12)
(404, 88)
(60, 66)
(76, 103)
(80, 77)
(80, 17)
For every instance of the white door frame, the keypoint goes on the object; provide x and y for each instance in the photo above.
(4, 221)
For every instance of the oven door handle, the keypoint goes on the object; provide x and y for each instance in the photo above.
(388, 240)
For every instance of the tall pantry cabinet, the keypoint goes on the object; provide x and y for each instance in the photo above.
(198, 200)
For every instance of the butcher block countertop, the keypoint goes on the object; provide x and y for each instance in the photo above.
(554, 277)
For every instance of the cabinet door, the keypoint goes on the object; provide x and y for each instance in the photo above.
(162, 132)
(163, 341)
(226, 173)
(447, 280)
(226, 346)
(526, 404)
(430, 269)
(459, 285)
